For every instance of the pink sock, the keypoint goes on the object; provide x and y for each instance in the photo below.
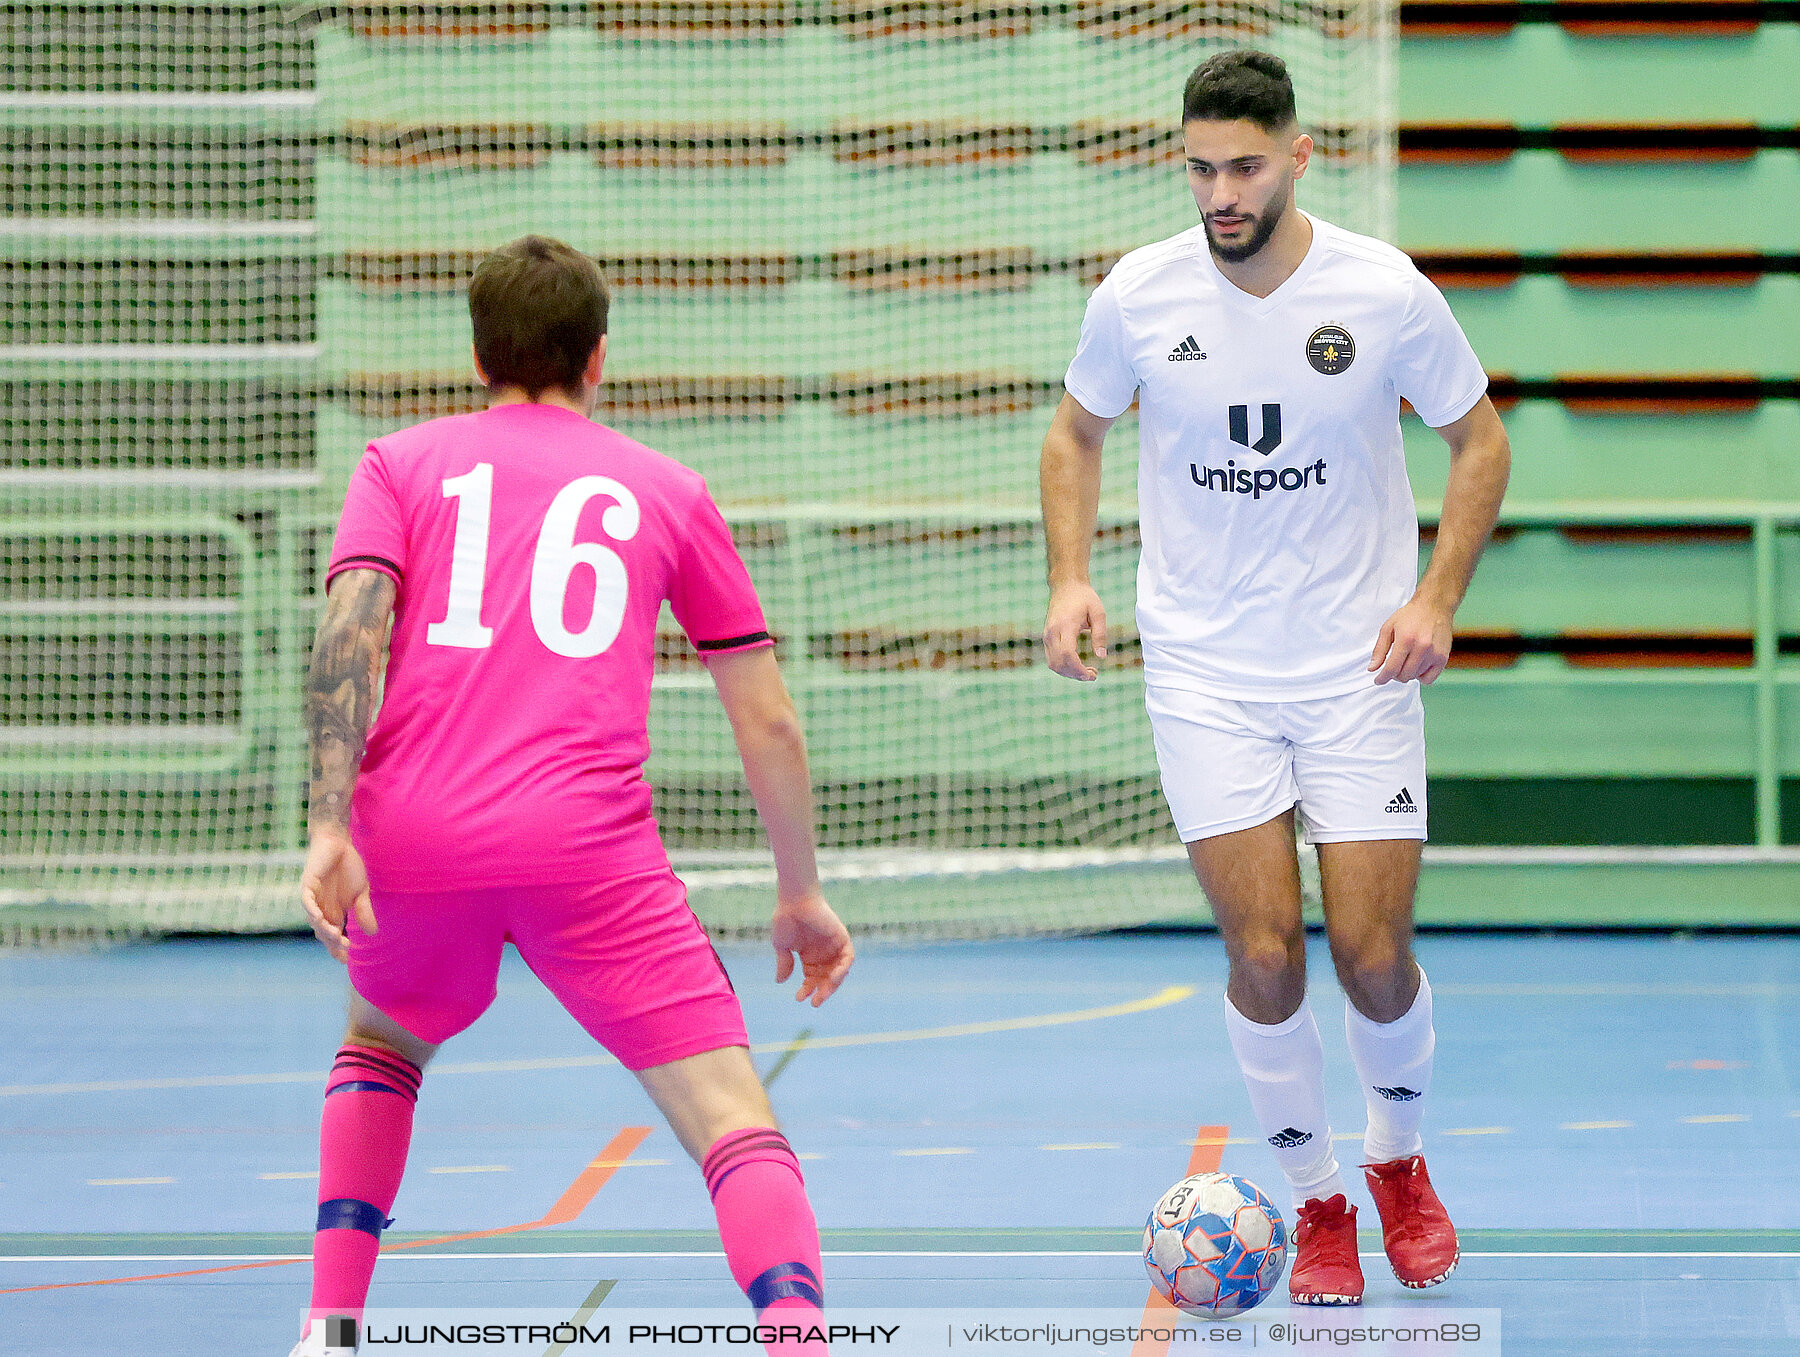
(766, 1224)
(364, 1134)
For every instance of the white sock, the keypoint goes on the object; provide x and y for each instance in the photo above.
(1284, 1069)
(1393, 1060)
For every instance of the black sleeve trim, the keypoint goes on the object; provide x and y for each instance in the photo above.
(733, 642)
(349, 561)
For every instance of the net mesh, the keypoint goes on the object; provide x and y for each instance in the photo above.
(849, 245)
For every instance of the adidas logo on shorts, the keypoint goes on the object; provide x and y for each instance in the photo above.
(1291, 1137)
(1186, 352)
(1397, 1094)
(1402, 804)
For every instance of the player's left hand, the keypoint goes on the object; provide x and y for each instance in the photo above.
(333, 883)
(1414, 644)
(809, 927)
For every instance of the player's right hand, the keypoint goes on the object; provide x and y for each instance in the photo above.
(333, 883)
(1074, 608)
(808, 927)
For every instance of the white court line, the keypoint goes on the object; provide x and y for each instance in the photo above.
(128, 1182)
(1622, 1253)
(416, 1257)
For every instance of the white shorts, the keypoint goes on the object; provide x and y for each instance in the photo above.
(1354, 765)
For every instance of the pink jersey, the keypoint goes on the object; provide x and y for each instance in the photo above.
(533, 550)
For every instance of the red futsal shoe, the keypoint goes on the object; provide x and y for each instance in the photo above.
(1415, 1229)
(1326, 1270)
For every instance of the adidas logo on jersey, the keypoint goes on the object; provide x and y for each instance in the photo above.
(1186, 352)
(1402, 804)
(1289, 1138)
(1397, 1094)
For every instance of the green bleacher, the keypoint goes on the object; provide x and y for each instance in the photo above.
(303, 204)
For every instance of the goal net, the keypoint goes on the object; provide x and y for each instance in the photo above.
(849, 245)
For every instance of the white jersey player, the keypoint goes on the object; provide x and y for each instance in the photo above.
(1285, 629)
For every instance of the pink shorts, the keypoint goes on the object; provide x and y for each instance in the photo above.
(627, 958)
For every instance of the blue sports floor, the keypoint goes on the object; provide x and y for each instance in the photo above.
(1615, 1126)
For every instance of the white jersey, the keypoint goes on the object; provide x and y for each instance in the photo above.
(1279, 531)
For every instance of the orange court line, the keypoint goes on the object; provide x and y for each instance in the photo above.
(568, 1206)
(1209, 1150)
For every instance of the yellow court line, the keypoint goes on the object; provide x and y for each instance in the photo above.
(1716, 1117)
(1089, 1145)
(279, 1177)
(1478, 1131)
(472, 1168)
(1172, 994)
(1594, 1125)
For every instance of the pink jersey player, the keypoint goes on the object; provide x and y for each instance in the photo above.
(522, 556)
(533, 550)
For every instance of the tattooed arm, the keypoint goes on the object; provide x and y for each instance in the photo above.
(340, 701)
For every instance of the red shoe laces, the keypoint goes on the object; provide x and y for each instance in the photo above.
(1405, 1178)
(1337, 1247)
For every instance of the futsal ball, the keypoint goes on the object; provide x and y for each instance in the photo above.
(1215, 1245)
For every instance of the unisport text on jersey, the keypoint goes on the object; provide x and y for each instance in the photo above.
(1242, 480)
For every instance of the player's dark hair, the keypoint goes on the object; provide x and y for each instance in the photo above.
(538, 308)
(1243, 84)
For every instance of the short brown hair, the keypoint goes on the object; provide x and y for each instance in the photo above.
(1244, 83)
(538, 308)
